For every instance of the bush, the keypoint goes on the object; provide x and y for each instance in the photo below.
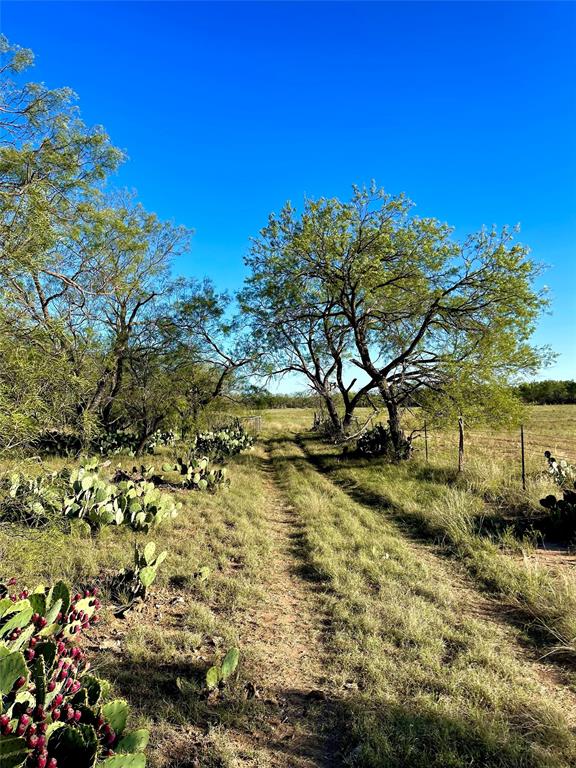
(378, 442)
(54, 714)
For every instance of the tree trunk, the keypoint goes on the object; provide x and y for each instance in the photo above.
(402, 446)
(334, 415)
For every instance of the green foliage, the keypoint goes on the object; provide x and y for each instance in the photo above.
(548, 392)
(197, 475)
(52, 712)
(418, 311)
(223, 442)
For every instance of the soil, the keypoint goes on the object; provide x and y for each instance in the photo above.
(283, 633)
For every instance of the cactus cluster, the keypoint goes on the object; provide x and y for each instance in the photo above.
(33, 501)
(378, 442)
(131, 584)
(561, 471)
(160, 437)
(114, 442)
(561, 520)
(53, 714)
(221, 443)
(137, 504)
(198, 475)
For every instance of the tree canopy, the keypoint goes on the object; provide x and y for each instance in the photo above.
(393, 301)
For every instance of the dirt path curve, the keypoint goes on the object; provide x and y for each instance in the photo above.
(283, 632)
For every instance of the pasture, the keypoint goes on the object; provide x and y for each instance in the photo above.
(386, 615)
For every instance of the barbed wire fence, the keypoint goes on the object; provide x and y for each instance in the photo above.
(522, 448)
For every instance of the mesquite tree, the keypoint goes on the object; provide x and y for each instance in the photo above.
(419, 310)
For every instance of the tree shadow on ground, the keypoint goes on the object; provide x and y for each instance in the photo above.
(536, 637)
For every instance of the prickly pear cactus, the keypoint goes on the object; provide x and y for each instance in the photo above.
(220, 443)
(52, 712)
(138, 504)
(132, 584)
(198, 475)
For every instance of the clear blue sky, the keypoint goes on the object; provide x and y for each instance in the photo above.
(227, 110)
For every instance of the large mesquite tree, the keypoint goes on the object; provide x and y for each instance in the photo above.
(421, 311)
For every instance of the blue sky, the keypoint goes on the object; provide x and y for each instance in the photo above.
(226, 110)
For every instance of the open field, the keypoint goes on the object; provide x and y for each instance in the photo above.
(386, 615)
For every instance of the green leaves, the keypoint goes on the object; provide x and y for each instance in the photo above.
(229, 663)
(135, 741)
(116, 712)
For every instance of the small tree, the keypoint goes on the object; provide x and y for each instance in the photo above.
(212, 343)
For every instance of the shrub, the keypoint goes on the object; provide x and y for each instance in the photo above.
(378, 442)
(53, 714)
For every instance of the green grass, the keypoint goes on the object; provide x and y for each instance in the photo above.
(432, 686)
(421, 669)
(459, 518)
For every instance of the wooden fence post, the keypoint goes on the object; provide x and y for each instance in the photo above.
(426, 439)
(523, 459)
(460, 443)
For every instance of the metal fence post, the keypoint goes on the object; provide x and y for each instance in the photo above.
(460, 443)
(426, 439)
(523, 460)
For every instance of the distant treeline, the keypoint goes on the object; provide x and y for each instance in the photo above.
(548, 392)
(262, 399)
(536, 392)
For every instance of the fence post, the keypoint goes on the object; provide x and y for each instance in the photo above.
(460, 443)
(426, 439)
(523, 460)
